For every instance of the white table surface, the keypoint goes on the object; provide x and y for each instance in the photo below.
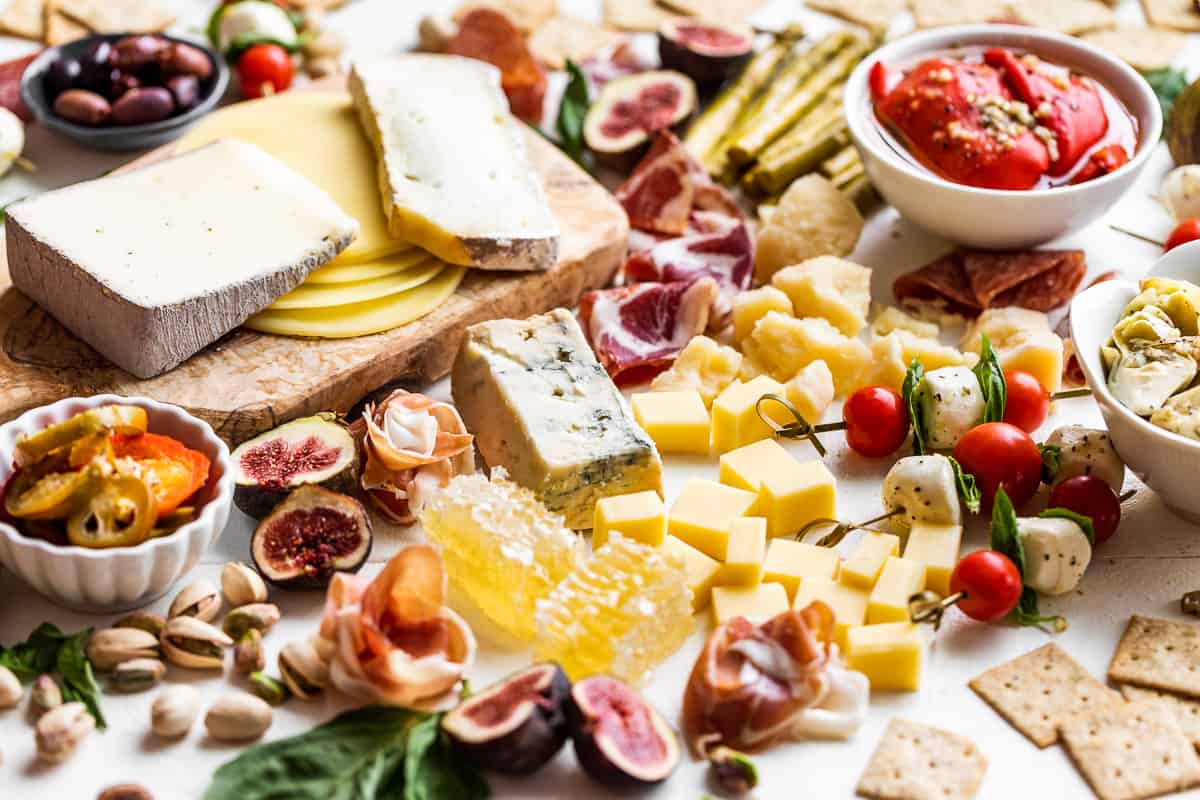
(1153, 560)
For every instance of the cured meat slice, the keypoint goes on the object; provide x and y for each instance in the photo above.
(941, 285)
(489, 35)
(638, 330)
(716, 245)
(10, 86)
(667, 186)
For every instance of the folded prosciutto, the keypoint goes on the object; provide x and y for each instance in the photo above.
(715, 245)
(667, 186)
(756, 686)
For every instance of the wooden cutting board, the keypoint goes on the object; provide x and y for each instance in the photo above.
(249, 382)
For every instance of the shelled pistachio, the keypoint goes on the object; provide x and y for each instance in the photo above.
(60, 731)
(272, 691)
(45, 694)
(248, 655)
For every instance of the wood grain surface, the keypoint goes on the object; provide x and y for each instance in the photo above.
(249, 382)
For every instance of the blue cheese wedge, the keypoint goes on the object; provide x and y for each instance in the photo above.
(152, 265)
(453, 170)
(542, 407)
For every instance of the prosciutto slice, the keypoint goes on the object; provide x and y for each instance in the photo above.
(667, 186)
(716, 245)
(756, 686)
(638, 330)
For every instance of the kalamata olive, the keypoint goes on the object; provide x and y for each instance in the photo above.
(147, 104)
(95, 71)
(184, 59)
(122, 84)
(185, 89)
(61, 75)
(135, 52)
(82, 106)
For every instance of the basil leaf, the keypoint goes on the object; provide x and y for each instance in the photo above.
(1026, 613)
(1082, 520)
(968, 489)
(432, 770)
(1051, 461)
(35, 655)
(78, 680)
(1167, 84)
(912, 379)
(571, 113)
(991, 382)
(1005, 538)
(245, 41)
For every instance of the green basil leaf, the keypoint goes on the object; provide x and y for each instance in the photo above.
(36, 654)
(1005, 538)
(1082, 520)
(241, 44)
(1026, 613)
(991, 382)
(78, 680)
(1168, 84)
(1051, 461)
(968, 488)
(912, 379)
(433, 771)
(572, 111)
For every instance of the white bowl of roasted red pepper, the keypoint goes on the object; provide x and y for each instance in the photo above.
(124, 92)
(1000, 136)
(106, 501)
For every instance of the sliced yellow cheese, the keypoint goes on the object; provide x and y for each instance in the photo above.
(318, 135)
(677, 421)
(735, 419)
(344, 294)
(849, 604)
(935, 546)
(890, 655)
(743, 565)
(345, 322)
(699, 570)
(640, 515)
(703, 513)
(793, 563)
(863, 566)
(379, 268)
(756, 603)
(899, 580)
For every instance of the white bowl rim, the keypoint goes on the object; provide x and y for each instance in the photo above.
(856, 111)
(206, 521)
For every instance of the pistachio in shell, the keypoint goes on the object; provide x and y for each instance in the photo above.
(110, 647)
(200, 600)
(10, 689)
(248, 655)
(259, 617)
(269, 689)
(238, 717)
(60, 731)
(144, 621)
(188, 642)
(137, 675)
(174, 711)
(242, 584)
(302, 670)
(46, 693)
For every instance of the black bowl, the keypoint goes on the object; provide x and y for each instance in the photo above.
(119, 137)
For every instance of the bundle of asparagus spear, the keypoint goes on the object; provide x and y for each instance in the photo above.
(782, 118)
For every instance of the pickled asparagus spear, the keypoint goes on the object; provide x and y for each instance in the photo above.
(861, 192)
(843, 160)
(849, 175)
(827, 112)
(776, 175)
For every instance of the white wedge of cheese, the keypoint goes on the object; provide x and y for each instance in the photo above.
(452, 166)
(152, 265)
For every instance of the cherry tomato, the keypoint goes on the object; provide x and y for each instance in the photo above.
(1028, 403)
(990, 582)
(999, 454)
(876, 421)
(1092, 497)
(1187, 231)
(264, 69)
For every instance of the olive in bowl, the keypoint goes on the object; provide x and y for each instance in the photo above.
(124, 91)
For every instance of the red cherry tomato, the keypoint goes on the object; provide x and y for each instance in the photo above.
(1028, 403)
(999, 454)
(1092, 497)
(990, 582)
(264, 69)
(1187, 231)
(876, 421)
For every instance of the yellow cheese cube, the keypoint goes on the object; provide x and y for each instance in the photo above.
(699, 570)
(935, 546)
(784, 345)
(757, 603)
(745, 467)
(702, 365)
(793, 563)
(641, 516)
(828, 287)
(792, 499)
(678, 422)
(899, 580)
(1023, 340)
(750, 307)
(811, 391)
(893, 319)
(863, 566)
(744, 553)
(889, 655)
(735, 420)
(702, 514)
(849, 604)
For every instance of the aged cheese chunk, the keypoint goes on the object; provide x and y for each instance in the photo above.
(756, 603)
(893, 352)
(935, 546)
(542, 407)
(749, 307)
(893, 319)
(828, 287)
(735, 419)
(890, 655)
(793, 563)
(811, 391)
(899, 580)
(863, 566)
(452, 166)
(849, 604)
(702, 365)
(744, 552)
(678, 422)
(1022, 340)
(641, 516)
(151, 265)
(699, 570)
(703, 513)
(784, 345)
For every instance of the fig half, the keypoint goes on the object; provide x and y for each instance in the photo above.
(309, 536)
(706, 52)
(630, 110)
(315, 450)
(516, 725)
(620, 740)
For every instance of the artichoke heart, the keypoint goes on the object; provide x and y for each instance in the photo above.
(1180, 414)
(1143, 326)
(1144, 379)
(1179, 300)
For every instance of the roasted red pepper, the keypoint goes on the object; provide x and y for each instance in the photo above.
(1102, 162)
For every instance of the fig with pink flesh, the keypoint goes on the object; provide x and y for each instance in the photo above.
(317, 450)
(705, 52)
(310, 536)
(620, 740)
(630, 110)
(516, 725)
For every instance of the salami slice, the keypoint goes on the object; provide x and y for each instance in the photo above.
(1041, 279)
(941, 285)
(10, 85)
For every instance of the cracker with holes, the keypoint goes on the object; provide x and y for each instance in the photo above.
(868, 13)
(1180, 15)
(939, 13)
(1185, 710)
(920, 762)
(1158, 654)
(1140, 47)
(1065, 16)
(635, 15)
(1131, 751)
(1037, 691)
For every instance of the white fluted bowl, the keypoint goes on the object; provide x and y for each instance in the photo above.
(123, 578)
